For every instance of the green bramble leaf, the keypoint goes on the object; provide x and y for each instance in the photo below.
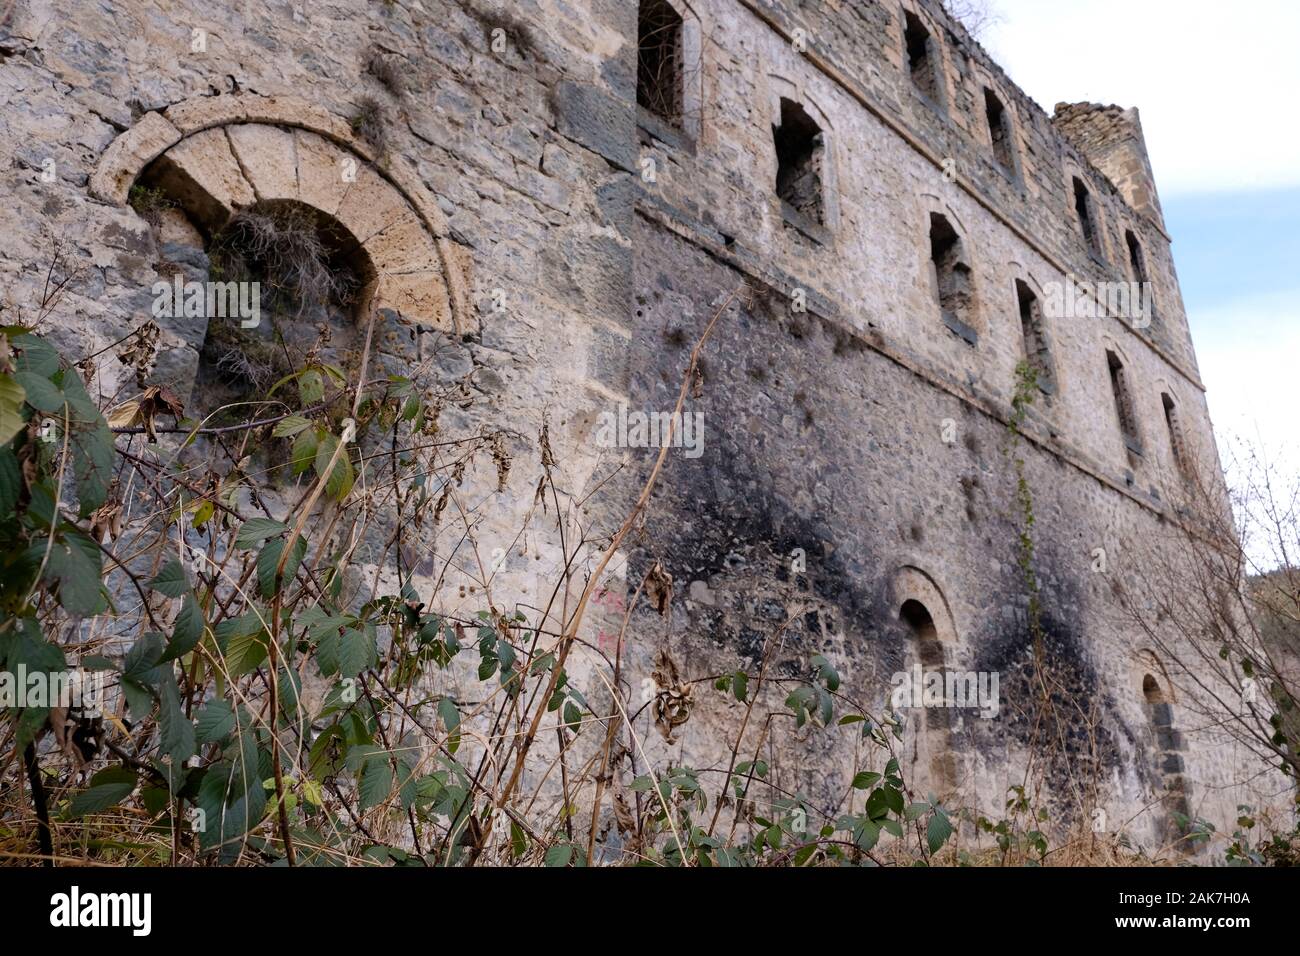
(256, 530)
(107, 788)
(12, 397)
(290, 426)
(171, 580)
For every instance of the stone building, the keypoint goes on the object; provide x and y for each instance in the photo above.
(549, 202)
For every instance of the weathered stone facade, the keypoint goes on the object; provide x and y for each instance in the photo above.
(530, 229)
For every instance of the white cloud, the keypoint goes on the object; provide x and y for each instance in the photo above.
(1215, 83)
(1247, 352)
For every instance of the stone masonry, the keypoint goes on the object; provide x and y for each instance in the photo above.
(536, 233)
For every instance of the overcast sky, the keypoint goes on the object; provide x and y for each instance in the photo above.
(1216, 85)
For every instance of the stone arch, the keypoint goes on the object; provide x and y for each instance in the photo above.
(1147, 664)
(783, 87)
(910, 583)
(226, 152)
(1018, 270)
(1112, 344)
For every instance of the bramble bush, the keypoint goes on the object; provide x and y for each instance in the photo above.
(263, 711)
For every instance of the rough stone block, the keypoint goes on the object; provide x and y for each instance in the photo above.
(268, 158)
(203, 176)
(323, 171)
(597, 120)
(416, 297)
(371, 205)
(130, 153)
(405, 246)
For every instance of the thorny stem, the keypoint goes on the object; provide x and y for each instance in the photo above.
(576, 620)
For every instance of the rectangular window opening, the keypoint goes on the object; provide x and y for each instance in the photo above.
(1124, 404)
(951, 275)
(999, 130)
(1036, 349)
(1177, 441)
(1087, 216)
(659, 60)
(800, 155)
(921, 58)
(1136, 260)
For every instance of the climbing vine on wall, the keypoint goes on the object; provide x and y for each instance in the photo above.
(1022, 399)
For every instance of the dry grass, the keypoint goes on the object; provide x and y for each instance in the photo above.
(388, 71)
(515, 30)
(283, 248)
(369, 121)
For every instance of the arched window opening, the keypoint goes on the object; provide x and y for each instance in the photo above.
(950, 276)
(917, 617)
(268, 290)
(280, 249)
(1124, 408)
(1137, 261)
(1037, 352)
(1087, 213)
(933, 760)
(1168, 760)
(1136, 258)
(1177, 441)
(800, 159)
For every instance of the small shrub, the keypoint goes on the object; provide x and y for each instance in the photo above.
(370, 122)
(149, 203)
(243, 359)
(388, 72)
(515, 30)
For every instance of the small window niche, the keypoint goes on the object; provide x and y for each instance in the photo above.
(922, 59)
(801, 169)
(1137, 263)
(1136, 259)
(1124, 407)
(1177, 440)
(1037, 350)
(950, 279)
(1086, 210)
(1001, 132)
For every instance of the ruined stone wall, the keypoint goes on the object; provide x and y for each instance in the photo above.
(560, 279)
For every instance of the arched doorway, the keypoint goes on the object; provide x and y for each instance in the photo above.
(1167, 760)
(928, 729)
